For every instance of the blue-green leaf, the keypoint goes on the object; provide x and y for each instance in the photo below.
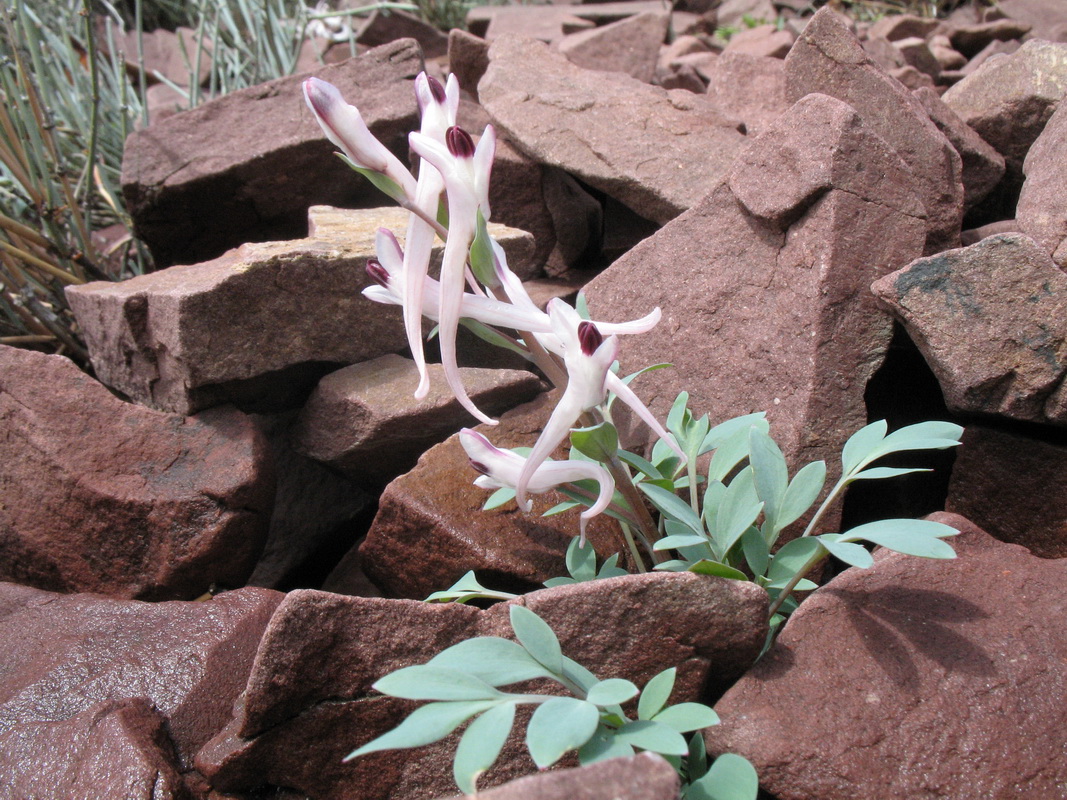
(655, 736)
(612, 692)
(644, 467)
(495, 660)
(757, 553)
(482, 260)
(686, 717)
(656, 694)
(676, 416)
(498, 498)
(803, 491)
(424, 725)
(731, 777)
(599, 442)
(673, 506)
(537, 637)
(731, 428)
(875, 473)
(559, 725)
(770, 474)
(576, 673)
(790, 559)
(738, 509)
(481, 744)
(854, 554)
(581, 561)
(679, 540)
(706, 566)
(914, 537)
(435, 682)
(861, 445)
(602, 746)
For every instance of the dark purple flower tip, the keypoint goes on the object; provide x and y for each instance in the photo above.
(436, 89)
(479, 466)
(589, 337)
(460, 144)
(377, 272)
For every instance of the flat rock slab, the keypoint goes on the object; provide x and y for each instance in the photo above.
(364, 420)
(658, 152)
(1014, 485)
(630, 45)
(1008, 100)
(762, 284)
(432, 517)
(1042, 208)
(105, 496)
(257, 159)
(913, 678)
(991, 321)
(828, 58)
(308, 700)
(117, 749)
(751, 88)
(66, 654)
(646, 776)
(256, 327)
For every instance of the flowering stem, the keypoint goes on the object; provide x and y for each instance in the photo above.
(545, 361)
(412, 208)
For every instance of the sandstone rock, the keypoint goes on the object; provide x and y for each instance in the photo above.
(947, 56)
(751, 88)
(630, 45)
(1046, 20)
(674, 147)
(991, 321)
(164, 54)
(828, 59)
(67, 654)
(384, 27)
(680, 76)
(983, 166)
(994, 481)
(1009, 100)
(732, 13)
(104, 496)
(763, 41)
(468, 58)
(1042, 208)
(548, 24)
(314, 509)
(321, 653)
(433, 517)
(774, 295)
(701, 63)
(911, 78)
(975, 235)
(116, 749)
(577, 221)
(970, 39)
(256, 327)
(992, 49)
(646, 776)
(364, 421)
(939, 674)
(257, 159)
(903, 26)
(917, 54)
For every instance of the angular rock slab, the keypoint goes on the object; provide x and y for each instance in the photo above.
(913, 678)
(104, 496)
(646, 776)
(828, 58)
(431, 529)
(991, 321)
(1014, 486)
(308, 699)
(630, 45)
(765, 307)
(256, 327)
(1008, 100)
(1042, 208)
(751, 88)
(657, 152)
(117, 749)
(66, 654)
(364, 420)
(246, 166)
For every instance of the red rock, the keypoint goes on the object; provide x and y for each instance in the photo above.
(307, 704)
(630, 45)
(675, 144)
(750, 88)
(382, 27)
(917, 54)
(1008, 100)
(432, 516)
(1042, 208)
(733, 13)
(828, 58)
(903, 26)
(1046, 20)
(116, 749)
(257, 159)
(992, 49)
(765, 41)
(468, 58)
(67, 654)
(994, 481)
(970, 39)
(983, 167)
(778, 300)
(991, 321)
(646, 776)
(940, 677)
(364, 420)
(546, 24)
(104, 496)
(163, 54)
(947, 56)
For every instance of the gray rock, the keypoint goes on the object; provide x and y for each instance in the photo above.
(991, 320)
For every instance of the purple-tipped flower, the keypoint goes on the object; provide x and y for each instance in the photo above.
(589, 337)
(503, 468)
(344, 126)
(460, 144)
(378, 273)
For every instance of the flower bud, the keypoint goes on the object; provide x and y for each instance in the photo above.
(589, 337)
(460, 144)
(436, 89)
(377, 272)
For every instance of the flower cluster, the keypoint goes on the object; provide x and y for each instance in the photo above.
(477, 287)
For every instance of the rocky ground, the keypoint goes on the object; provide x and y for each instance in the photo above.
(209, 565)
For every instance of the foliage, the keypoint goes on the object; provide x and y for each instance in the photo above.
(462, 684)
